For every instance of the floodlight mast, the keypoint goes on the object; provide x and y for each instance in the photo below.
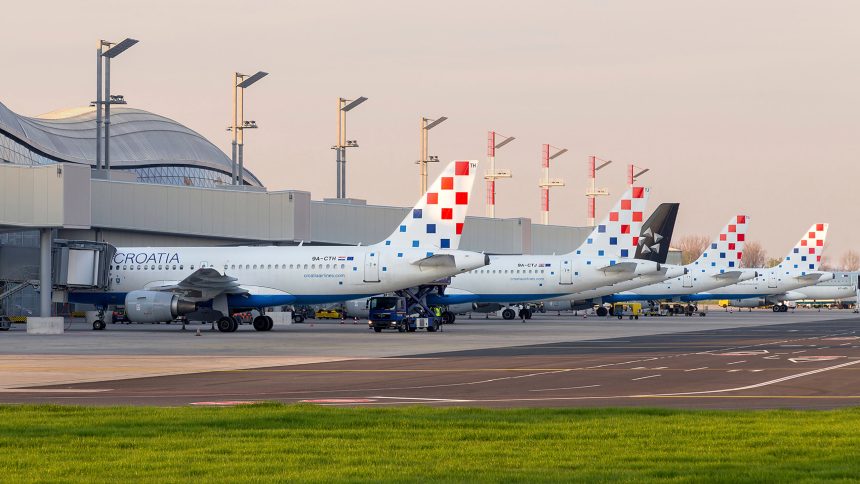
(546, 182)
(104, 101)
(423, 157)
(343, 106)
(632, 175)
(492, 174)
(240, 82)
(593, 191)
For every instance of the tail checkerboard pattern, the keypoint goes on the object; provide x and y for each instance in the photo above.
(806, 255)
(727, 249)
(436, 221)
(617, 235)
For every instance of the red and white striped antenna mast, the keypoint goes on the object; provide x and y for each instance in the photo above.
(492, 174)
(593, 191)
(546, 182)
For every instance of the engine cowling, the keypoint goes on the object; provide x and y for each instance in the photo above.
(753, 302)
(156, 306)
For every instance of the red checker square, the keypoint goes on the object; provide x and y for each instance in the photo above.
(459, 228)
(812, 235)
(447, 213)
(733, 228)
(741, 237)
(447, 183)
(742, 219)
(626, 204)
(461, 168)
(613, 216)
(723, 237)
(818, 259)
(462, 198)
(635, 241)
(819, 227)
(740, 255)
(638, 192)
(731, 246)
(637, 216)
(819, 242)
(803, 243)
(625, 229)
(812, 250)
(432, 198)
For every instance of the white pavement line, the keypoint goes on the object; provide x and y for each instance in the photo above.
(796, 352)
(564, 388)
(660, 367)
(645, 377)
(736, 362)
(639, 368)
(733, 371)
(697, 369)
(422, 399)
(756, 371)
(757, 385)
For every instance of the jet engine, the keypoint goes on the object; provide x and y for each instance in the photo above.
(753, 302)
(156, 306)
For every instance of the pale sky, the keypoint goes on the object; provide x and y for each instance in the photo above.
(736, 106)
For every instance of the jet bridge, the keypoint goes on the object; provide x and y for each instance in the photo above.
(81, 264)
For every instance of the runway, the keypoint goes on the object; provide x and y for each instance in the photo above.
(809, 364)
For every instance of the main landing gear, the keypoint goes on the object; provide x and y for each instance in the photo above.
(99, 324)
(263, 323)
(780, 308)
(228, 324)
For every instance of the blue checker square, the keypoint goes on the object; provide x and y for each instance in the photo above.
(612, 262)
(796, 250)
(795, 266)
(400, 254)
(588, 263)
(578, 252)
(387, 242)
(354, 268)
(403, 228)
(812, 266)
(445, 243)
(414, 243)
(431, 228)
(417, 213)
(624, 252)
(589, 241)
(803, 258)
(613, 240)
(600, 253)
(731, 264)
(722, 255)
(713, 246)
(713, 264)
(429, 254)
(722, 271)
(601, 229)
(384, 269)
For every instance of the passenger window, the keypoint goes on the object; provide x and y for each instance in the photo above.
(233, 266)
(270, 266)
(291, 266)
(174, 267)
(124, 268)
(306, 266)
(180, 267)
(328, 266)
(191, 267)
(343, 266)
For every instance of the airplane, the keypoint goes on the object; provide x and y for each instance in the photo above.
(718, 266)
(606, 257)
(654, 241)
(773, 285)
(211, 283)
(843, 288)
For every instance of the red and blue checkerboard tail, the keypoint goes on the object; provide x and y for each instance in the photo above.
(436, 221)
(805, 257)
(725, 252)
(617, 235)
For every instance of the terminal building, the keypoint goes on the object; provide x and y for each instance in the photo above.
(169, 186)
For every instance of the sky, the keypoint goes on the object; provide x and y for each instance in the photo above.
(736, 107)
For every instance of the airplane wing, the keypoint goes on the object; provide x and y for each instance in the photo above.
(203, 284)
(436, 260)
(620, 267)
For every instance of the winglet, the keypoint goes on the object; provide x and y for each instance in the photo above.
(436, 221)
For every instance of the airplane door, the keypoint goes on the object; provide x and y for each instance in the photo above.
(771, 281)
(566, 272)
(687, 280)
(371, 266)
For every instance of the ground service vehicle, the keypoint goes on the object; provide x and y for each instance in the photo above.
(630, 310)
(328, 314)
(391, 312)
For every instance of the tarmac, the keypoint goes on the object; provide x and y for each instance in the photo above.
(738, 360)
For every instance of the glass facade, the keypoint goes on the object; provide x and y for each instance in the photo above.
(16, 153)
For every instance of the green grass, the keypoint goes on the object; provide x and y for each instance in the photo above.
(271, 442)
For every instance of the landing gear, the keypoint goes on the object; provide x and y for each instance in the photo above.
(449, 317)
(602, 311)
(509, 313)
(780, 308)
(99, 324)
(263, 323)
(228, 324)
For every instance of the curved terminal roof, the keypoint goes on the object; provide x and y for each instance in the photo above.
(138, 139)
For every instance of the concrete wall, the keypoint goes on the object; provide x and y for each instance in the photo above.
(45, 196)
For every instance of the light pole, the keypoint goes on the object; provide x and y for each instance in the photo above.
(105, 56)
(492, 174)
(240, 82)
(343, 106)
(593, 191)
(631, 176)
(423, 158)
(546, 183)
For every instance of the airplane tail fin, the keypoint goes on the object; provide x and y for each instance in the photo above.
(727, 249)
(656, 234)
(616, 237)
(805, 257)
(436, 221)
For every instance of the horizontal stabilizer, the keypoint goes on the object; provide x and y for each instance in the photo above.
(811, 277)
(729, 275)
(621, 267)
(436, 260)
